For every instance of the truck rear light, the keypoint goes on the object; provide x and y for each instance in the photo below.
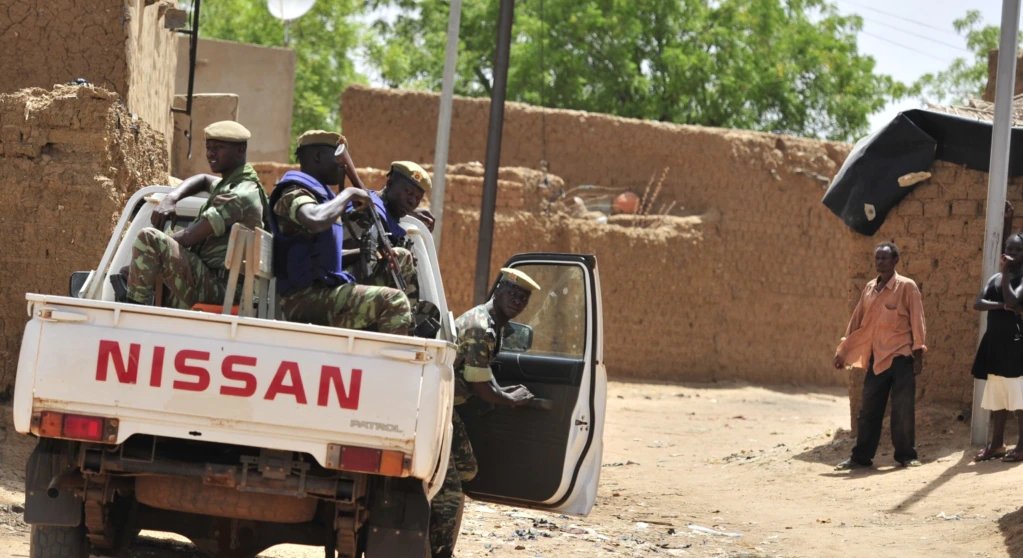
(363, 460)
(368, 460)
(80, 427)
(51, 424)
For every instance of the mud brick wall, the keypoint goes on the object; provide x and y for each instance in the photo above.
(119, 45)
(69, 160)
(755, 289)
(939, 229)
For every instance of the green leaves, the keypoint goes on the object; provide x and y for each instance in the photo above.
(789, 66)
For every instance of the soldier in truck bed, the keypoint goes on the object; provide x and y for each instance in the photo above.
(190, 262)
(407, 183)
(479, 341)
(308, 236)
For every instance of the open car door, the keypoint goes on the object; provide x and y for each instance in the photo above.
(546, 458)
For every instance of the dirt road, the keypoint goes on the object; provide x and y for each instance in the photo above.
(723, 471)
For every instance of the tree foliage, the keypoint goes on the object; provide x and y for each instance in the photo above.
(789, 66)
(324, 41)
(966, 76)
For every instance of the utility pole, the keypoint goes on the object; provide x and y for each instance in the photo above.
(998, 177)
(440, 161)
(486, 237)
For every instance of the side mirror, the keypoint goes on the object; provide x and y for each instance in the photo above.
(76, 282)
(517, 338)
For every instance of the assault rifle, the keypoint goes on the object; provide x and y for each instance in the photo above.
(374, 241)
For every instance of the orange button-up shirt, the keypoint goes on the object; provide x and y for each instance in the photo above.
(885, 324)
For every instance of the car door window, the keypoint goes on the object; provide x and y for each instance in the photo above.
(556, 314)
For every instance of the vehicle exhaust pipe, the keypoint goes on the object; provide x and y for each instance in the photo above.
(72, 478)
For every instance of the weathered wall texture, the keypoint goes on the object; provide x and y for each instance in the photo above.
(120, 45)
(939, 229)
(69, 159)
(749, 291)
(206, 109)
(262, 77)
(152, 63)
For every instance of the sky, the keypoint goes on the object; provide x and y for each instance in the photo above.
(907, 38)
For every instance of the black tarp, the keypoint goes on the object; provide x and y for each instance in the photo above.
(909, 143)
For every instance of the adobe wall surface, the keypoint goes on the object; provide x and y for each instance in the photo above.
(69, 159)
(262, 77)
(152, 54)
(755, 289)
(206, 109)
(939, 229)
(119, 45)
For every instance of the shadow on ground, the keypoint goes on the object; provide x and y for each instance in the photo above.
(1011, 526)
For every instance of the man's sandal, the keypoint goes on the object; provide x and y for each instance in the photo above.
(988, 454)
(1013, 456)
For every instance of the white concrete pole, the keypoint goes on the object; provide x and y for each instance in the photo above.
(998, 177)
(440, 161)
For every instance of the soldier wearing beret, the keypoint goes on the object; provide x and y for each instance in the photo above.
(406, 185)
(190, 262)
(308, 236)
(479, 341)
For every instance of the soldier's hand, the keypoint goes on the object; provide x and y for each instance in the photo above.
(165, 213)
(426, 217)
(360, 198)
(519, 396)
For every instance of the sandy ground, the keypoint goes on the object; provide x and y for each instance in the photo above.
(730, 471)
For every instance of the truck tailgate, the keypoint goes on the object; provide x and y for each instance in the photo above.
(233, 380)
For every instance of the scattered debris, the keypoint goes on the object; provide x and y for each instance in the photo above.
(955, 517)
(709, 531)
(620, 464)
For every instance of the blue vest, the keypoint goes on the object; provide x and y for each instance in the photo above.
(300, 261)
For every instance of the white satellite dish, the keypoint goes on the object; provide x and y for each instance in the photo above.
(288, 10)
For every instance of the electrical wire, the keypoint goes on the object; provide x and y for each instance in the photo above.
(898, 44)
(897, 16)
(924, 37)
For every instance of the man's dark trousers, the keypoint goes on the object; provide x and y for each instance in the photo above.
(901, 383)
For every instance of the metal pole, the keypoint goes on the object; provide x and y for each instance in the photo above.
(447, 91)
(486, 237)
(998, 176)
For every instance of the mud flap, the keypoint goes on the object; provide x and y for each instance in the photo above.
(399, 515)
(49, 459)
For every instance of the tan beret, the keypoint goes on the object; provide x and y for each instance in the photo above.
(413, 172)
(320, 137)
(227, 130)
(519, 279)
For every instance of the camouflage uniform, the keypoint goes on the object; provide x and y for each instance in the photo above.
(350, 305)
(357, 223)
(478, 345)
(196, 274)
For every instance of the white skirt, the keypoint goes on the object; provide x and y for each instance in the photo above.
(1002, 394)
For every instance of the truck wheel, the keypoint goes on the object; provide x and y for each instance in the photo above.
(48, 541)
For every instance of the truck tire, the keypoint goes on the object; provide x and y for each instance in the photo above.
(48, 541)
(192, 496)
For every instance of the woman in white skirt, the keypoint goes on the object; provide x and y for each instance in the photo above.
(1000, 354)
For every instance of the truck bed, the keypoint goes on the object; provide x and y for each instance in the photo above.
(246, 381)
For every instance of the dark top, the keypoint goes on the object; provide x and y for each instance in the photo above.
(1001, 350)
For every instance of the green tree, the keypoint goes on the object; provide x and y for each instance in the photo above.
(966, 76)
(324, 41)
(789, 66)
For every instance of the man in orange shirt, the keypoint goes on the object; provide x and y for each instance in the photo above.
(886, 337)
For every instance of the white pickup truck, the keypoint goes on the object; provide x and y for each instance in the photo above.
(241, 433)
